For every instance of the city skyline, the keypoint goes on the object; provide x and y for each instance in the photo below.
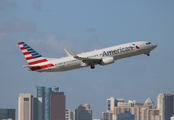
(52, 26)
(27, 106)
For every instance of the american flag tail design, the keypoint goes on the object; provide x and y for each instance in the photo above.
(35, 61)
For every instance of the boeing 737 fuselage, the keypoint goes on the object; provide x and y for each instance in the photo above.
(37, 62)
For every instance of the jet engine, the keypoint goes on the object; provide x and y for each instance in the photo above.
(106, 61)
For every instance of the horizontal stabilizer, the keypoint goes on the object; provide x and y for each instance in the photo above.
(32, 68)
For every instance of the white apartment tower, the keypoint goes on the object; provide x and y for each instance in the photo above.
(111, 103)
(165, 105)
(25, 103)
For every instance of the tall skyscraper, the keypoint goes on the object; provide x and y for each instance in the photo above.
(25, 107)
(83, 112)
(57, 106)
(166, 105)
(7, 114)
(43, 95)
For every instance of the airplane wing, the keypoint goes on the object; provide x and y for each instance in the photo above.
(86, 60)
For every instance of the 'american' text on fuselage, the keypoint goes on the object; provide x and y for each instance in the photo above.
(116, 51)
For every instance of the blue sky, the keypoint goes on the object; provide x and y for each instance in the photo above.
(51, 26)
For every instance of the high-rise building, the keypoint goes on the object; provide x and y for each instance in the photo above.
(57, 106)
(43, 97)
(166, 105)
(111, 103)
(25, 107)
(69, 115)
(83, 112)
(7, 114)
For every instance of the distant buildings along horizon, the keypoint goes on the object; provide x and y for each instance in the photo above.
(50, 104)
(117, 109)
(43, 105)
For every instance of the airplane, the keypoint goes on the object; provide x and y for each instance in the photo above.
(105, 56)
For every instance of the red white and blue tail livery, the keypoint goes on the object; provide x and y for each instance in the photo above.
(35, 61)
(105, 56)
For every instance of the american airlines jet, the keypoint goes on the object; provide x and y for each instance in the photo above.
(105, 56)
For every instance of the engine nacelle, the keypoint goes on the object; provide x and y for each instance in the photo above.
(83, 64)
(106, 61)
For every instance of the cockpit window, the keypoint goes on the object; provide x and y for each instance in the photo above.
(148, 43)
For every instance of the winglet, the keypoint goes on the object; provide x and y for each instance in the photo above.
(67, 52)
(73, 54)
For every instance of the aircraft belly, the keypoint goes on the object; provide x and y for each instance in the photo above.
(66, 67)
(70, 67)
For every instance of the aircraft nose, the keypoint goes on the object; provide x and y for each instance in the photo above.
(155, 45)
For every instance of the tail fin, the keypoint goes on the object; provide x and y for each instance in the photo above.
(31, 56)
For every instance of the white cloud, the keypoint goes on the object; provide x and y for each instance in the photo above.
(51, 43)
(13, 27)
(17, 25)
(6, 4)
(37, 4)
